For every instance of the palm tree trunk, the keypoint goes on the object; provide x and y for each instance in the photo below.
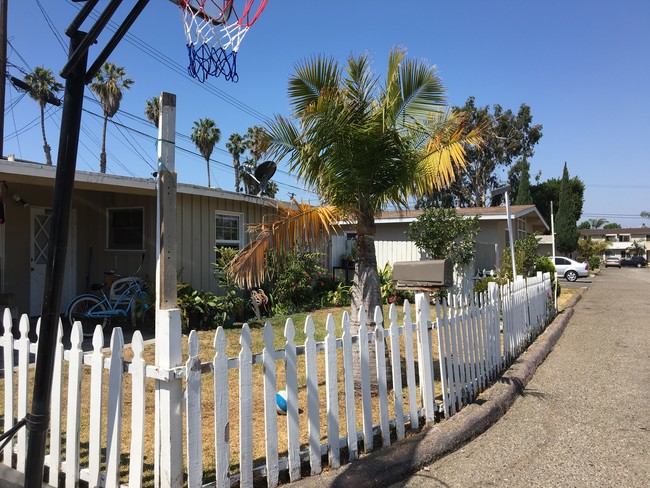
(207, 162)
(235, 163)
(46, 146)
(366, 291)
(102, 156)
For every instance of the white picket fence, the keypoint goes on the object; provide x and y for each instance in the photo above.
(476, 341)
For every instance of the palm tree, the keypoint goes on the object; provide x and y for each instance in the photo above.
(236, 146)
(205, 135)
(361, 147)
(257, 142)
(637, 248)
(597, 223)
(109, 83)
(43, 87)
(152, 110)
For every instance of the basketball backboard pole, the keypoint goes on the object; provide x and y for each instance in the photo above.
(74, 72)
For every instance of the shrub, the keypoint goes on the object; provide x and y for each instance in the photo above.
(296, 281)
(545, 265)
(594, 262)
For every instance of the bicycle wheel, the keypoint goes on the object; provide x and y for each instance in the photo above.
(82, 309)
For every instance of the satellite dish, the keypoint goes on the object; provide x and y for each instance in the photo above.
(264, 172)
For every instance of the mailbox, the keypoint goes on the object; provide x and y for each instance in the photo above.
(435, 273)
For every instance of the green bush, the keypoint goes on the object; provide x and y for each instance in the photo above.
(481, 286)
(545, 265)
(594, 262)
(296, 281)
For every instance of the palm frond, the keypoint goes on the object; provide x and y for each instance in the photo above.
(313, 78)
(300, 225)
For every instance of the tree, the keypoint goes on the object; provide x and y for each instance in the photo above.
(612, 225)
(524, 197)
(584, 225)
(443, 234)
(42, 88)
(257, 142)
(236, 146)
(588, 248)
(205, 134)
(549, 191)
(152, 110)
(108, 84)
(597, 223)
(566, 231)
(637, 248)
(508, 137)
(361, 147)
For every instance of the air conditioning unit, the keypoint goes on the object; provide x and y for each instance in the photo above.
(429, 274)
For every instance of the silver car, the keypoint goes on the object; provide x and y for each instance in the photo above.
(570, 269)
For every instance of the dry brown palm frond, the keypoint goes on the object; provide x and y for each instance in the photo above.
(298, 225)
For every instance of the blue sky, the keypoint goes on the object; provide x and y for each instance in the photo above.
(582, 66)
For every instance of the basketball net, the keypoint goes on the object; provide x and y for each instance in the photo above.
(214, 30)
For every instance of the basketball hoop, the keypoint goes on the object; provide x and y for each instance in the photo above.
(214, 30)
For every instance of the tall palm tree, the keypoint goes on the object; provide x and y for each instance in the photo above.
(205, 134)
(257, 142)
(152, 110)
(43, 87)
(236, 146)
(108, 84)
(361, 146)
(597, 223)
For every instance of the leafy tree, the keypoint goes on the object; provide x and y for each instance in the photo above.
(443, 234)
(108, 85)
(205, 134)
(361, 147)
(549, 191)
(508, 137)
(257, 141)
(565, 225)
(42, 88)
(584, 225)
(612, 225)
(524, 196)
(645, 214)
(152, 110)
(236, 146)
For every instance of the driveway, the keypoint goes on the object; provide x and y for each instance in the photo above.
(584, 419)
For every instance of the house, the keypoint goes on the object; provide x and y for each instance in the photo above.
(621, 241)
(112, 227)
(392, 243)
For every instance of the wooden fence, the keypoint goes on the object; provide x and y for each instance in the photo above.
(471, 342)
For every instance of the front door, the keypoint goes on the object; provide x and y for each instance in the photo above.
(40, 241)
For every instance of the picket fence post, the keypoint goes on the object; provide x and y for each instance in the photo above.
(313, 412)
(54, 461)
(115, 408)
(221, 410)
(332, 385)
(410, 367)
(23, 389)
(270, 407)
(74, 408)
(380, 360)
(96, 407)
(424, 356)
(348, 373)
(396, 360)
(245, 409)
(193, 412)
(136, 453)
(291, 377)
(366, 405)
(8, 358)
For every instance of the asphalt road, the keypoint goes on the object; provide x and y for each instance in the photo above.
(584, 419)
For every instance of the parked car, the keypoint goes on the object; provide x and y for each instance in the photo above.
(612, 261)
(570, 269)
(638, 261)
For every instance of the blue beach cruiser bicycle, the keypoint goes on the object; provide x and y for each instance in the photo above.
(123, 296)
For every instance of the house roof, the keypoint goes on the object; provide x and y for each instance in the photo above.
(40, 174)
(604, 232)
(484, 213)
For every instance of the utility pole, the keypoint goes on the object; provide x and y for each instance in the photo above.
(3, 70)
(169, 394)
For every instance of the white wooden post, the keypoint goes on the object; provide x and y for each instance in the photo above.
(169, 394)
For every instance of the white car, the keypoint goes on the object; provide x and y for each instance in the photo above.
(570, 269)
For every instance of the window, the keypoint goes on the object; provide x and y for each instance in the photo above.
(125, 228)
(624, 238)
(228, 230)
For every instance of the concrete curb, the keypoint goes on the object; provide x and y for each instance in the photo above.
(395, 463)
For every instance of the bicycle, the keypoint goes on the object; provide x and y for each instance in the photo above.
(91, 310)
